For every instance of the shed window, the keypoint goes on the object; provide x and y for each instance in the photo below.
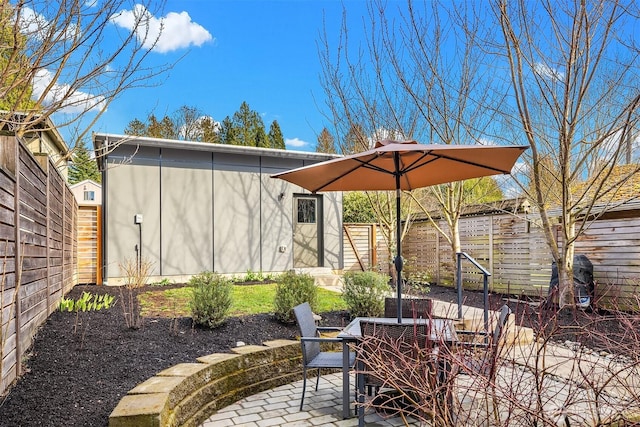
(307, 211)
(89, 195)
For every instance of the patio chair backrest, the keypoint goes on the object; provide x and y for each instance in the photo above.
(393, 343)
(411, 308)
(405, 338)
(307, 328)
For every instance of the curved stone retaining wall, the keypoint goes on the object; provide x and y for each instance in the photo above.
(188, 393)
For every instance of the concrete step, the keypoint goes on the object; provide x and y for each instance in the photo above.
(324, 277)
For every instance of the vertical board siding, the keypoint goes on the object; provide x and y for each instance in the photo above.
(38, 208)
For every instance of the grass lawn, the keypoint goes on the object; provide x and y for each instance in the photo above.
(247, 299)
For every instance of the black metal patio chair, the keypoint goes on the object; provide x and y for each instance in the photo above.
(418, 308)
(393, 343)
(310, 340)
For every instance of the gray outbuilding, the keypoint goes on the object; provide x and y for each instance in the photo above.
(188, 207)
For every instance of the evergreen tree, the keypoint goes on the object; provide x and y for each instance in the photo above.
(228, 132)
(164, 128)
(83, 166)
(248, 126)
(261, 139)
(326, 142)
(276, 140)
(136, 128)
(187, 123)
(210, 129)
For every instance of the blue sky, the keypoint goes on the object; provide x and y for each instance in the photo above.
(263, 52)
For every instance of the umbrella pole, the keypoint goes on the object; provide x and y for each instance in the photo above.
(398, 261)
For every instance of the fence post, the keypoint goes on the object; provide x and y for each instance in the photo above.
(44, 162)
(18, 255)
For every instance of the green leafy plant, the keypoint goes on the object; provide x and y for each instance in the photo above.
(364, 293)
(418, 282)
(293, 289)
(210, 299)
(87, 302)
(253, 276)
(164, 282)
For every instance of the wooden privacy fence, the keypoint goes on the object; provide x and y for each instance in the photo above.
(364, 248)
(514, 250)
(37, 249)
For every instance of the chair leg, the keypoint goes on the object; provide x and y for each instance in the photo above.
(318, 379)
(304, 386)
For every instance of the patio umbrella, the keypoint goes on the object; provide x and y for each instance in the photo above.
(404, 165)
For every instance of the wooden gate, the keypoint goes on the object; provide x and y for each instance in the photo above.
(364, 248)
(89, 244)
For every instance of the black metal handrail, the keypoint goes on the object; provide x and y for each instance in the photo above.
(485, 275)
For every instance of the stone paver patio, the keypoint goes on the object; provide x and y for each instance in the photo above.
(280, 407)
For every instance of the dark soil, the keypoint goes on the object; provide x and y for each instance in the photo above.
(78, 369)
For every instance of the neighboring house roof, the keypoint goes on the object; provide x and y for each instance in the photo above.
(42, 137)
(7, 119)
(86, 181)
(518, 205)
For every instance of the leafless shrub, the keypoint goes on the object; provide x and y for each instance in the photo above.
(136, 273)
(580, 369)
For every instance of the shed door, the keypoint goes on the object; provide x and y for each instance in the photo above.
(307, 229)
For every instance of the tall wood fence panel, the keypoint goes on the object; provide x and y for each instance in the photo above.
(515, 251)
(37, 246)
(364, 248)
(613, 246)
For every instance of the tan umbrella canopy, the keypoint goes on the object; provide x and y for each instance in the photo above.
(404, 165)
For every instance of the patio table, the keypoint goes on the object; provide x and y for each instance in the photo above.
(442, 330)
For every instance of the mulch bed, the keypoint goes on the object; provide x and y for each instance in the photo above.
(78, 370)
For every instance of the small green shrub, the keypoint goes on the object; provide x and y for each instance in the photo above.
(364, 293)
(210, 299)
(293, 289)
(165, 281)
(418, 282)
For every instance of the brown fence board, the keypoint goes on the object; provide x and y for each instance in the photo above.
(45, 252)
(517, 255)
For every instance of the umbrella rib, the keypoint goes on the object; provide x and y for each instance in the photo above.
(414, 165)
(334, 179)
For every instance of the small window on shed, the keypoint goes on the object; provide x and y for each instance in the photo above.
(306, 211)
(89, 195)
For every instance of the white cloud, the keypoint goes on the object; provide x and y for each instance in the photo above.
(72, 101)
(547, 72)
(174, 31)
(295, 142)
(36, 25)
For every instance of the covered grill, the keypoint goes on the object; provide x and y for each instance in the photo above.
(584, 285)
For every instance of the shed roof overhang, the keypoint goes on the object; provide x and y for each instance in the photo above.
(104, 143)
